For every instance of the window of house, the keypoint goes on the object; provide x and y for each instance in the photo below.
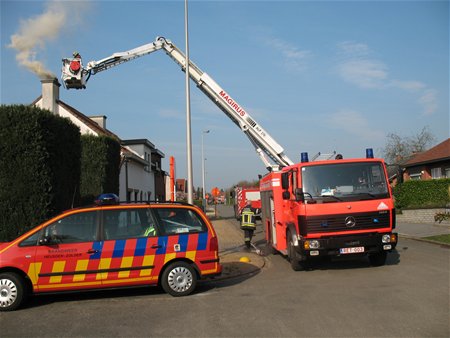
(436, 173)
(447, 172)
(416, 176)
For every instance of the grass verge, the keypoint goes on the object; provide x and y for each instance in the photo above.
(440, 238)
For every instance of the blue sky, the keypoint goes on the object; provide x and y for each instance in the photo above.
(318, 76)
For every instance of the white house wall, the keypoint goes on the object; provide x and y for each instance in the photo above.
(139, 181)
(61, 111)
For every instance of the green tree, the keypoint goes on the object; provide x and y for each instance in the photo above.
(100, 167)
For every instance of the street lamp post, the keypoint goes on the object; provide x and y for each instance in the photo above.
(190, 183)
(203, 171)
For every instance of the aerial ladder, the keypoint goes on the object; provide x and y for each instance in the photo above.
(75, 76)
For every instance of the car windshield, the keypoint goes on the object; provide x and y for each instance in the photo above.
(344, 182)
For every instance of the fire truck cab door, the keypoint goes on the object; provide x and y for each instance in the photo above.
(273, 224)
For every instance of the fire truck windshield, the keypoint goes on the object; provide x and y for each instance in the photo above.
(344, 182)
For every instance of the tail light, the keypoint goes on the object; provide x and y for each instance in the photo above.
(213, 244)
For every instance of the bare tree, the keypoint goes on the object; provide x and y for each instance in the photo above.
(399, 149)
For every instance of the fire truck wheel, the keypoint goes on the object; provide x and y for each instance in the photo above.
(378, 259)
(295, 263)
(12, 291)
(179, 279)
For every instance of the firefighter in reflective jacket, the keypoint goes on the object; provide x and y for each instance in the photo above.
(248, 223)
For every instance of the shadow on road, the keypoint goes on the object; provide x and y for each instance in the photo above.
(332, 263)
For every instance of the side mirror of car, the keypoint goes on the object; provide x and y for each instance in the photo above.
(46, 240)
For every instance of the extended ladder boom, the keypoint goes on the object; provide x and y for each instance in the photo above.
(264, 144)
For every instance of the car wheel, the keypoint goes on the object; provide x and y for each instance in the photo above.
(179, 279)
(11, 291)
(378, 259)
(295, 263)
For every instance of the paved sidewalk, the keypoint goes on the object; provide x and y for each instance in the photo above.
(235, 258)
(420, 231)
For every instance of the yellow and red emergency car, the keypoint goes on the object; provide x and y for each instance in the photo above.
(110, 246)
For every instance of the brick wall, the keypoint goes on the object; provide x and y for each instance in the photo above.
(421, 216)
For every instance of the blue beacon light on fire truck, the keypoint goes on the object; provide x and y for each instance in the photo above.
(304, 157)
(369, 153)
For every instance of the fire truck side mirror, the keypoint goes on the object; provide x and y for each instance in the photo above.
(285, 181)
(299, 196)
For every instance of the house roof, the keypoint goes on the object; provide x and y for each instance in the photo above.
(80, 116)
(128, 153)
(139, 141)
(440, 152)
(89, 122)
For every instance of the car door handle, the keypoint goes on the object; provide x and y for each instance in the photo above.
(92, 251)
(156, 246)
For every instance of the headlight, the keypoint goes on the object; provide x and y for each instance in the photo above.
(386, 238)
(313, 244)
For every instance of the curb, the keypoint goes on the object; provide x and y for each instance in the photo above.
(233, 267)
(420, 239)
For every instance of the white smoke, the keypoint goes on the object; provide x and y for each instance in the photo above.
(34, 33)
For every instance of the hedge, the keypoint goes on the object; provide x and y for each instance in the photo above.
(422, 194)
(39, 167)
(100, 167)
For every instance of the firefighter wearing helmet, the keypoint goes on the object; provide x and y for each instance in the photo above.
(248, 223)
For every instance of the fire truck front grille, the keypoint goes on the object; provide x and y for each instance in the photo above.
(344, 222)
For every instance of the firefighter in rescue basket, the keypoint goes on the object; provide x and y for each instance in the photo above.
(248, 223)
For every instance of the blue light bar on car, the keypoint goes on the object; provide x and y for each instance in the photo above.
(107, 199)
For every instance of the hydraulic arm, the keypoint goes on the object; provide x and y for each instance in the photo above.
(74, 75)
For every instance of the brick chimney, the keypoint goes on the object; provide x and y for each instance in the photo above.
(50, 94)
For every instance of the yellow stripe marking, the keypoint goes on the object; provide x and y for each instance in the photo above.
(82, 265)
(104, 264)
(58, 266)
(33, 272)
(94, 283)
(126, 263)
(129, 280)
(148, 260)
(191, 255)
(169, 257)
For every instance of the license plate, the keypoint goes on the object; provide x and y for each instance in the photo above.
(357, 249)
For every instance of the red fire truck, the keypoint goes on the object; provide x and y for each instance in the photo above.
(329, 208)
(244, 196)
(309, 209)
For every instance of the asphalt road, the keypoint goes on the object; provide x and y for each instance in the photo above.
(408, 297)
